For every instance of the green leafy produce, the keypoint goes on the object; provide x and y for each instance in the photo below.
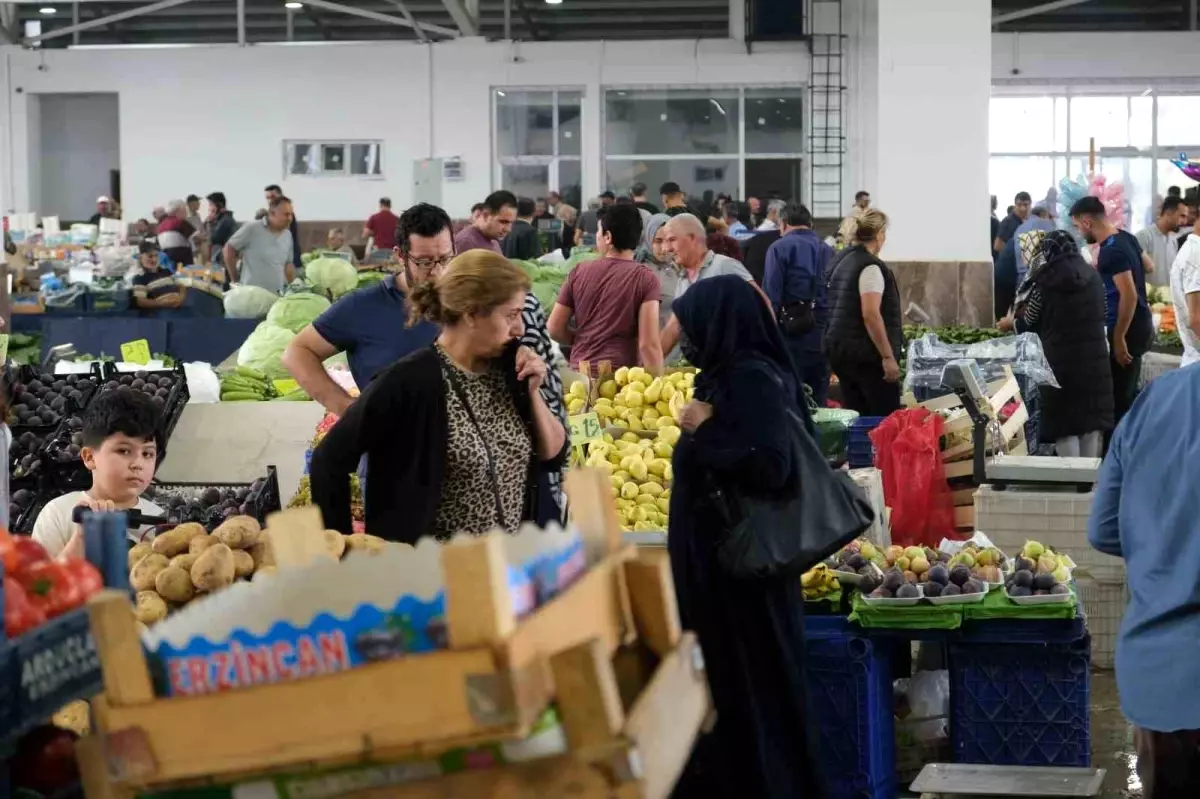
(295, 311)
(248, 302)
(371, 278)
(309, 257)
(263, 350)
(25, 348)
(954, 334)
(334, 276)
(1169, 341)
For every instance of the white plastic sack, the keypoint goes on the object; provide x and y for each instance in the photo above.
(203, 383)
(929, 698)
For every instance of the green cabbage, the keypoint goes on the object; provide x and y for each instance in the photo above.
(263, 350)
(336, 276)
(248, 302)
(295, 311)
(371, 278)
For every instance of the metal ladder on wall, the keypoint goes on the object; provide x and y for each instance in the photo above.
(827, 98)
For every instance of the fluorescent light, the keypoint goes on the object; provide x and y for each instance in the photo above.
(717, 106)
(48, 10)
(553, 2)
(293, 5)
(502, 94)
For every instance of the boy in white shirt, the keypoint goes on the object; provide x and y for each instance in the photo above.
(1185, 296)
(121, 434)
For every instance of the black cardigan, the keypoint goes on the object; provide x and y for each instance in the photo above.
(401, 424)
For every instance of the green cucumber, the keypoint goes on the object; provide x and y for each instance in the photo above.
(240, 396)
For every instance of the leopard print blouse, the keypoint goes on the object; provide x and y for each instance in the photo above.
(468, 502)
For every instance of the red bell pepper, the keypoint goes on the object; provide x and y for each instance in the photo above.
(84, 575)
(19, 552)
(20, 614)
(50, 588)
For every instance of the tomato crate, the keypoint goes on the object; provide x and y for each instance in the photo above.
(57, 662)
(1020, 705)
(850, 696)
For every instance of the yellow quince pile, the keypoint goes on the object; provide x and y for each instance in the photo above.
(577, 397)
(635, 400)
(640, 470)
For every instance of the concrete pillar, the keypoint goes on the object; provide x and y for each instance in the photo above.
(929, 157)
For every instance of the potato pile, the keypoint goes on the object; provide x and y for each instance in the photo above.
(186, 562)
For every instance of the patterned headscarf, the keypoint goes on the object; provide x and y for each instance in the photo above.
(1058, 244)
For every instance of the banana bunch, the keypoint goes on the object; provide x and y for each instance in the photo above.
(640, 471)
(635, 400)
(819, 582)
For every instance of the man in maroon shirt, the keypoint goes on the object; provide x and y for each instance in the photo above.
(492, 223)
(381, 227)
(614, 300)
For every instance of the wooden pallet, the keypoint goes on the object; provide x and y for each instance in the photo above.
(498, 676)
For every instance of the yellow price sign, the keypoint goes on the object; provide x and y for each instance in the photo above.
(136, 351)
(285, 385)
(584, 427)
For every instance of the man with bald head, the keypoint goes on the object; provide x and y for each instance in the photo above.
(686, 245)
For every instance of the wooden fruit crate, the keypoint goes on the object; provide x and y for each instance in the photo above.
(491, 684)
(1000, 393)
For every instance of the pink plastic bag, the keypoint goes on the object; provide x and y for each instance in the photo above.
(908, 452)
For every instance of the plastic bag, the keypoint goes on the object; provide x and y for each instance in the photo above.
(928, 694)
(908, 451)
(928, 354)
(203, 384)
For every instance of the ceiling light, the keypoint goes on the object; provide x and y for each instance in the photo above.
(293, 5)
(48, 10)
(553, 2)
(502, 94)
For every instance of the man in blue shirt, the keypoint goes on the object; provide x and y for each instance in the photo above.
(1146, 510)
(1128, 320)
(371, 325)
(794, 282)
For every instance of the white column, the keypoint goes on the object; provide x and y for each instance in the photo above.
(931, 163)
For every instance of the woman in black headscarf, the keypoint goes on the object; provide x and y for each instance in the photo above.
(751, 631)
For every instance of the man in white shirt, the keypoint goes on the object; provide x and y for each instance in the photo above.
(1185, 296)
(1160, 241)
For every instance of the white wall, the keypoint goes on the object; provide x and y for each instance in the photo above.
(1075, 58)
(228, 109)
(77, 148)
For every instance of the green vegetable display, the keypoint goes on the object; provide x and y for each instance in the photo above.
(263, 350)
(954, 334)
(547, 279)
(334, 276)
(371, 278)
(248, 302)
(295, 311)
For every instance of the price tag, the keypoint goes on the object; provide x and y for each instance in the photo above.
(584, 427)
(285, 386)
(136, 351)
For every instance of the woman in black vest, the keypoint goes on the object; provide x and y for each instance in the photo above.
(1065, 307)
(865, 334)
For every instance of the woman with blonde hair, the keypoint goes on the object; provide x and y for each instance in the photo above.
(865, 336)
(457, 436)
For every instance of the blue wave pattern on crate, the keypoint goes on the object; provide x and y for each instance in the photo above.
(860, 452)
(850, 699)
(1021, 705)
(45, 669)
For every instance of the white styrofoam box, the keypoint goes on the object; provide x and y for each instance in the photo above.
(870, 480)
(1157, 364)
(1055, 518)
(1104, 605)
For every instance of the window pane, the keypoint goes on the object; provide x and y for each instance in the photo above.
(570, 182)
(1104, 118)
(1021, 124)
(364, 159)
(1169, 175)
(302, 159)
(1177, 123)
(568, 123)
(333, 158)
(1009, 175)
(525, 180)
(701, 179)
(775, 120)
(682, 122)
(771, 178)
(524, 123)
(1061, 109)
(1141, 122)
(1134, 173)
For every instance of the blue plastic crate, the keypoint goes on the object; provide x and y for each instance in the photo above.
(860, 452)
(1020, 705)
(108, 302)
(850, 700)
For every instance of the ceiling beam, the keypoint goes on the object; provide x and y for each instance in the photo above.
(1033, 11)
(467, 25)
(404, 12)
(104, 21)
(318, 23)
(534, 32)
(377, 17)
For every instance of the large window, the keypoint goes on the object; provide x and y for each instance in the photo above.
(1037, 141)
(537, 142)
(734, 141)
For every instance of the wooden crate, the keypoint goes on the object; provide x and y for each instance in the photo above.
(491, 684)
(1000, 393)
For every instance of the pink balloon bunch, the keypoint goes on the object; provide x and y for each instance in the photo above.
(1113, 197)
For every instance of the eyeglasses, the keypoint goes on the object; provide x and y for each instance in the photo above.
(429, 263)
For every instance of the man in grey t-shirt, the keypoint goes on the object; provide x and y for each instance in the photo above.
(265, 250)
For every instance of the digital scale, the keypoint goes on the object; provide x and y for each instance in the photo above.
(964, 377)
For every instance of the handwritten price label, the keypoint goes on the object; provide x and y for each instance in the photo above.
(136, 351)
(584, 427)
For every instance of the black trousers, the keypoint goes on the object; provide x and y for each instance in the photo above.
(864, 389)
(1167, 762)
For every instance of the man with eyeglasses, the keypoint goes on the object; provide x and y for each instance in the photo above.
(371, 325)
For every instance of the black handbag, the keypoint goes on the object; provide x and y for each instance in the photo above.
(797, 318)
(785, 535)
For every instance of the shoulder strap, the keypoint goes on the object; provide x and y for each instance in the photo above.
(460, 392)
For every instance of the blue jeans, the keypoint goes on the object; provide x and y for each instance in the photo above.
(813, 368)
